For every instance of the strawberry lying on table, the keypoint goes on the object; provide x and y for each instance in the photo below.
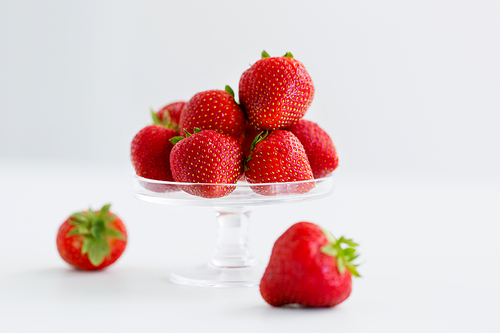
(92, 240)
(309, 267)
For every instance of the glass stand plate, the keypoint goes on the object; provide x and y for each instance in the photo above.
(232, 263)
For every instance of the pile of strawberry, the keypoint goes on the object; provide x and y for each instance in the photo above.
(212, 139)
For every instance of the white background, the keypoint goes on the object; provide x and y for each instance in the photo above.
(408, 90)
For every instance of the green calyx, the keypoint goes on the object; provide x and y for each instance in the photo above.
(343, 250)
(266, 55)
(231, 92)
(156, 120)
(95, 228)
(261, 136)
(167, 120)
(176, 139)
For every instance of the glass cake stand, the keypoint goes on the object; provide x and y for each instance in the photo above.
(232, 263)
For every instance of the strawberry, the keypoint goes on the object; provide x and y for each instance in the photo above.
(215, 110)
(309, 267)
(318, 145)
(92, 240)
(150, 153)
(170, 114)
(275, 92)
(276, 157)
(206, 156)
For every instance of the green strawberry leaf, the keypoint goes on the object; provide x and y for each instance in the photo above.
(288, 55)
(156, 120)
(104, 211)
(97, 229)
(344, 252)
(78, 218)
(91, 215)
(329, 236)
(265, 55)
(109, 219)
(176, 139)
(330, 250)
(114, 233)
(261, 136)
(340, 265)
(229, 90)
(87, 243)
(98, 250)
(79, 230)
(352, 269)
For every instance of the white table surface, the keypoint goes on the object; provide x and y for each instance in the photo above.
(430, 252)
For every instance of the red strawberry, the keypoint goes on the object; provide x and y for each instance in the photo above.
(170, 115)
(319, 147)
(92, 240)
(207, 156)
(214, 110)
(276, 157)
(309, 267)
(150, 155)
(275, 92)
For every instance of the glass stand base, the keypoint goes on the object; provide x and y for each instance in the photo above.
(212, 276)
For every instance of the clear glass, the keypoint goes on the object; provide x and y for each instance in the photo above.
(232, 263)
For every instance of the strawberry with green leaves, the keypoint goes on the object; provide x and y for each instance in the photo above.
(92, 240)
(170, 114)
(214, 110)
(309, 267)
(275, 92)
(206, 156)
(318, 145)
(278, 157)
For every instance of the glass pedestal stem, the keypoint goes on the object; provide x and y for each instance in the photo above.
(232, 248)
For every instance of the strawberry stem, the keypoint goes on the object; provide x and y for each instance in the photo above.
(344, 255)
(265, 55)
(156, 120)
(261, 136)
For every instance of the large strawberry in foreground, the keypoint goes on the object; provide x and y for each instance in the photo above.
(206, 156)
(318, 145)
(214, 110)
(309, 267)
(275, 92)
(278, 157)
(92, 240)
